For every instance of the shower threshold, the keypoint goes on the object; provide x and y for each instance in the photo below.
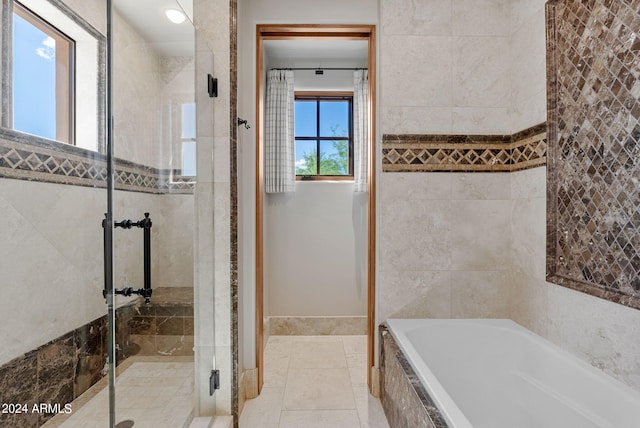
(150, 392)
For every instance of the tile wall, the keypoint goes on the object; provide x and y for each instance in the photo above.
(425, 217)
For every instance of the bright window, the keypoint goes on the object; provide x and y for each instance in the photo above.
(43, 78)
(188, 139)
(323, 135)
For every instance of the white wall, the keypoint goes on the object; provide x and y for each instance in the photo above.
(315, 238)
(315, 251)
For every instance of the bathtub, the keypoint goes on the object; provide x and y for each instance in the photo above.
(494, 373)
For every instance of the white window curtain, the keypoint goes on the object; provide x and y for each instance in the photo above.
(279, 142)
(360, 129)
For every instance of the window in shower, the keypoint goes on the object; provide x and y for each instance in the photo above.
(53, 75)
(43, 77)
(188, 139)
(323, 136)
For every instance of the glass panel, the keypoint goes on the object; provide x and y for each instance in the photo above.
(54, 55)
(189, 158)
(305, 115)
(334, 119)
(154, 118)
(306, 157)
(52, 202)
(34, 80)
(188, 120)
(334, 157)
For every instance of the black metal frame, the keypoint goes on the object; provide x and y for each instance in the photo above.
(318, 139)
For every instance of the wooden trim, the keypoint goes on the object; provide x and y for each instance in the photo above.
(311, 32)
(259, 214)
(324, 178)
(64, 72)
(324, 94)
(371, 208)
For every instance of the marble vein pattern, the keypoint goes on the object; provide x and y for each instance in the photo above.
(405, 401)
(593, 210)
(62, 370)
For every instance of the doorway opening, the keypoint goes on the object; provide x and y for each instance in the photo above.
(364, 33)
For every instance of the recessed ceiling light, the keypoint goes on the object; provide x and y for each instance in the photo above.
(175, 16)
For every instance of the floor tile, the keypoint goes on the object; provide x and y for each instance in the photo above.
(370, 409)
(357, 364)
(314, 382)
(264, 410)
(319, 419)
(318, 355)
(152, 394)
(355, 344)
(318, 389)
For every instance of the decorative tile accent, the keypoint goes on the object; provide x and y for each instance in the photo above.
(468, 153)
(405, 401)
(233, 212)
(37, 159)
(593, 198)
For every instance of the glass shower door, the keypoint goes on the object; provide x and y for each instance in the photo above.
(97, 275)
(154, 143)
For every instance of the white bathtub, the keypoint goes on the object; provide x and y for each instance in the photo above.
(496, 374)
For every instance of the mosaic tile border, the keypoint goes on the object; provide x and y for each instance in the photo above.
(465, 153)
(31, 158)
(593, 203)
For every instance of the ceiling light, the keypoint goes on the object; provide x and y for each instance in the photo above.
(175, 16)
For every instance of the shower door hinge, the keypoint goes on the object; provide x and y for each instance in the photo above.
(214, 381)
(212, 86)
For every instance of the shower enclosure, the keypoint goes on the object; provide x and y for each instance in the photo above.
(97, 234)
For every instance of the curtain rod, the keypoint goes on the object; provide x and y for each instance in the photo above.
(321, 68)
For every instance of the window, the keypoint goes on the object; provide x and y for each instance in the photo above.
(45, 63)
(188, 139)
(43, 78)
(323, 135)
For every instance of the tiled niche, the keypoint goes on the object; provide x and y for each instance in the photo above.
(593, 181)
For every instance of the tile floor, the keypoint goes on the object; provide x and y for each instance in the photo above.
(314, 382)
(153, 394)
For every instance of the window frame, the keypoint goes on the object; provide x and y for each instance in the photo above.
(65, 82)
(182, 139)
(319, 96)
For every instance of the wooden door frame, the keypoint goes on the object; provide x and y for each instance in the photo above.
(315, 32)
